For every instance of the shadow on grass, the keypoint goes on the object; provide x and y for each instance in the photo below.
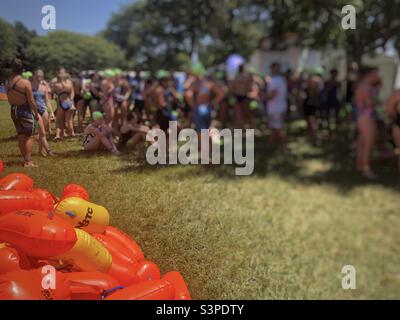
(333, 154)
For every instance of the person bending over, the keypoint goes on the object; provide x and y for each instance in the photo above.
(132, 131)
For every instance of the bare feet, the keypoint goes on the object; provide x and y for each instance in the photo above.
(30, 164)
(368, 174)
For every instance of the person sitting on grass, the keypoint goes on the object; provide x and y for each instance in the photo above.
(132, 131)
(99, 136)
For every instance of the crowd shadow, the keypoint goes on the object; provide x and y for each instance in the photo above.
(334, 152)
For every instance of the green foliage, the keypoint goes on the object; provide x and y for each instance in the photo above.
(154, 32)
(8, 41)
(157, 33)
(24, 38)
(73, 50)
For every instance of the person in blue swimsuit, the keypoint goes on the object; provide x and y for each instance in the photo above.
(41, 94)
(202, 95)
(64, 89)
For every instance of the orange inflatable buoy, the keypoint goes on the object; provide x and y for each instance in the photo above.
(90, 285)
(151, 290)
(87, 254)
(75, 190)
(181, 290)
(37, 199)
(34, 233)
(16, 182)
(128, 274)
(116, 249)
(126, 241)
(170, 287)
(32, 285)
(9, 259)
(83, 214)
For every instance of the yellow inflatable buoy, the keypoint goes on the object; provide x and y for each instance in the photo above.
(83, 214)
(88, 254)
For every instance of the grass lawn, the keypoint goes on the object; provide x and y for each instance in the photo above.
(283, 233)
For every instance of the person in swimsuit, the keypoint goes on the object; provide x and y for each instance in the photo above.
(132, 131)
(331, 95)
(149, 100)
(80, 102)
(393, 110)
(366, 123)
(202, 96)
(64, 89)
(41, 94)
(94, 88)
(122, 94)
(240, 88)
(312, 104)
(24, 111)
(99, 136)
(165, 99)
(138, 85)
(107, 97)
(277, 96)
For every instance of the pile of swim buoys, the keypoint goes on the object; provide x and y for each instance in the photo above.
(70, 236)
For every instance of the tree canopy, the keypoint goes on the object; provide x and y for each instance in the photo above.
(72, 50)
(8, 40)
(157, 33)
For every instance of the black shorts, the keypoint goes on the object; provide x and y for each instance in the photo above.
(139, 105)
(163, 117)
(24, 122)
(241, 99)
(310, 108)
(77, 98)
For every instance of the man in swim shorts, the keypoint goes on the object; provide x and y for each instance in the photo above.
(24, 112)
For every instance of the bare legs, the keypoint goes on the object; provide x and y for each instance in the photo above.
(365, 142)
(44, 148)
(396, 138)
(25, 145)
(312, 129)
(81, 106)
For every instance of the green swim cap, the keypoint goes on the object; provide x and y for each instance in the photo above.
(162, 74)
(87, 95)
(220, 75)
(254, 105)
(27, 75)
(252, 70)
(146, 75)
(117, 71)
(109, 73)
(231, 101)
(97, 115)
(198, 69)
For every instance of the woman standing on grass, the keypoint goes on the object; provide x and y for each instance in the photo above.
(366, 120)
(41, 93)
(107, 88)
(64, 89)
(24, 112)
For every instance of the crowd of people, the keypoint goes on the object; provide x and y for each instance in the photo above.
(112, 108)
